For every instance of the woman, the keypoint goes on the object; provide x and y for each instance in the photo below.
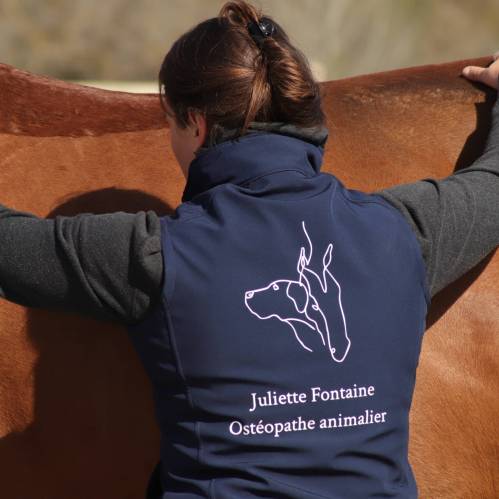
(269, 309)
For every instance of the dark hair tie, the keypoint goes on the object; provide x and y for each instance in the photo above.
(261, 29)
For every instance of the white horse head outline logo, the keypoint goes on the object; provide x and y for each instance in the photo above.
(297, 303)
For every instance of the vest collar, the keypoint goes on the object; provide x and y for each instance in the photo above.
(267, 147)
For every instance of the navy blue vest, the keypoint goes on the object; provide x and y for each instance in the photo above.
(283, 351)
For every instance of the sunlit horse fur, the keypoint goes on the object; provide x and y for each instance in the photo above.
(76, 412)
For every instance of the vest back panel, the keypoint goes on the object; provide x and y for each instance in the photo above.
(284, 351)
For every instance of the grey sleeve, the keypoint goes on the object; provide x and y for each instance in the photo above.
(456, 219)
(107, 266)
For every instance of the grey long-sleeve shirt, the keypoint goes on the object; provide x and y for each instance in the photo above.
(110, 266)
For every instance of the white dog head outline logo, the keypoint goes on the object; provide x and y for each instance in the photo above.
(297, 303)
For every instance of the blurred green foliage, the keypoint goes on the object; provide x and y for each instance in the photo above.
(127, 39)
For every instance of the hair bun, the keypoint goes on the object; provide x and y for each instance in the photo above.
(217, 69)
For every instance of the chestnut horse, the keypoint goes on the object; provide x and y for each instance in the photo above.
(76, 412)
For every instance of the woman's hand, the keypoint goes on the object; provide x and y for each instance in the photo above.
(488, 75)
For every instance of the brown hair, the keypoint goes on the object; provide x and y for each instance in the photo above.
(216, 68)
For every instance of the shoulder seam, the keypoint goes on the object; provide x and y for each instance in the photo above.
(416, 245)
(415, 242)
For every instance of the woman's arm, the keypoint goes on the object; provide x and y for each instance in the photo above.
(456, 219)
(106, 266)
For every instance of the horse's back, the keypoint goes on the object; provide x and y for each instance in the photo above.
(76, 414)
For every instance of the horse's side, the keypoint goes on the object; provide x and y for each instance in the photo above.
(76, 414)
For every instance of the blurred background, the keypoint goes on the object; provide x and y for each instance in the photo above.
(119, 44)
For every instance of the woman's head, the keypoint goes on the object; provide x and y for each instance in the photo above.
(216, 76)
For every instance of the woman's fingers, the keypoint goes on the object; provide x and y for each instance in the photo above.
(488, 75)
(474, 72)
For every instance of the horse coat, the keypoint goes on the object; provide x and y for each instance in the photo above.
(74, 383)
